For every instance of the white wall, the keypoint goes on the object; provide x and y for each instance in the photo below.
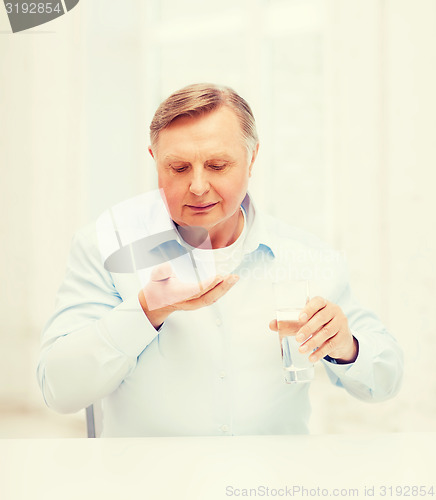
(381, 153)
(410, 252)
(343, 92)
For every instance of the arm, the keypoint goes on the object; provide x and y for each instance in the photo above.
(377, 372)
(92, 341)
(357, 351)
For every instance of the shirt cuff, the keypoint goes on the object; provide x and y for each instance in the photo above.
(127, 327)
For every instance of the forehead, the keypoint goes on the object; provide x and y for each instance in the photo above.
(216, 132)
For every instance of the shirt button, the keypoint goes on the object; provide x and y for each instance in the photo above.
(218, 322)
(225, 428)
(222, 374)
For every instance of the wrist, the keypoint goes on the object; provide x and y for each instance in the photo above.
(155, 316)
(352, 356)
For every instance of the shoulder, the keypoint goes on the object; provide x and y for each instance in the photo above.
(85, 252)
(122, 224)
(284, 233)
(86, 234)
(302, 252)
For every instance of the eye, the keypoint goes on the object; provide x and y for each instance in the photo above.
(217, 167)
(179, 169)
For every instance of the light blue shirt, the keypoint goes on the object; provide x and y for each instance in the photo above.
(213, 371)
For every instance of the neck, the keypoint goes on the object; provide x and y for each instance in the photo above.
(197, 236)
(222, 238)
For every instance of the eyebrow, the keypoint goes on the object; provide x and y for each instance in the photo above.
(173, 157)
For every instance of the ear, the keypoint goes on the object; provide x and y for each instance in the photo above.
(151, 152)
(253, 159)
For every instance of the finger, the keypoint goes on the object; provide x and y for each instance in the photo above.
(162, 272)
(212, 282)
(288, 328)
(325, 349)
(312, 307)
(218, 290)
(167, 292)
(205, 286)
(273, 325)
(316, 322)
(320, 337)
(211, 296)
(172, 292)
(284, 328)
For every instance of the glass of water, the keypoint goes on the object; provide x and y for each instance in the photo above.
(290, 297)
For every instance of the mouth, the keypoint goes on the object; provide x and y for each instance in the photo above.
(201, 207)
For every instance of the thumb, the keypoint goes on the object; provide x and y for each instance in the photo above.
(273, 325)
(162, 272)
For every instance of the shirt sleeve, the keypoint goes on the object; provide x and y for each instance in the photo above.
(92, 341)
(377, 373)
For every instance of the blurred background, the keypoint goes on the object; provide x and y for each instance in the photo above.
(344, 96)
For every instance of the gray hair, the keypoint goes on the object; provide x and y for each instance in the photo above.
(201, 98)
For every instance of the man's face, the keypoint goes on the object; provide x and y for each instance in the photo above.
(203, 169)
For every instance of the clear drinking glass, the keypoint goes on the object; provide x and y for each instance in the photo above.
(290, 297)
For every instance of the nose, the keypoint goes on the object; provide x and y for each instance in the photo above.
(199, 184)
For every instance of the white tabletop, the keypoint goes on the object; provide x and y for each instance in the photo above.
(213, 468)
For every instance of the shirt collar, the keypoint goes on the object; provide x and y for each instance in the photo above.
(258, 237)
